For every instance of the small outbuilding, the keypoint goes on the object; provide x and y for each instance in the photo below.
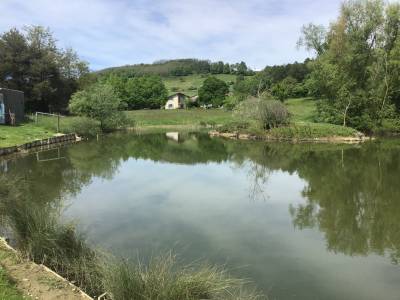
(12, 110)
(176, 101)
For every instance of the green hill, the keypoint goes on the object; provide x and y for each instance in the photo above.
(176, 67)
(191, 83)
(182, 75)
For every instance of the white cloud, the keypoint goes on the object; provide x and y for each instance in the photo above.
(109, 33)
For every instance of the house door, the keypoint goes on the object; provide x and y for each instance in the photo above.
(2, 110)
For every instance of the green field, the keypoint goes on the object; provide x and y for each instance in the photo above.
(190, 117)
(302, 109)
(190, 84)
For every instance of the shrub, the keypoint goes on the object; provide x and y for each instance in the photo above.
(231, 102)
(83, 127)
(213, 91)
(268, 113)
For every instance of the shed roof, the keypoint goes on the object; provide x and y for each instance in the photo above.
(179, 93)
(5, 89)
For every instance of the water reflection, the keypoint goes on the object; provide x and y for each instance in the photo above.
(354, 200)
(352, 192)
(236, 200)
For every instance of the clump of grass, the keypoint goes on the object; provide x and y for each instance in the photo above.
(7, 288)
(41, 237)
(311, 131)
(236, 126)
(163, 279)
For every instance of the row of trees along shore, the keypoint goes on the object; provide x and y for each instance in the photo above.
(354, 75)
(357, 67)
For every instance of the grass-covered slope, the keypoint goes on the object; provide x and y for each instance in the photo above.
(191, 83)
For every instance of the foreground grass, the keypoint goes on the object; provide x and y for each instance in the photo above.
(17, 135)
(163, 279)
(7, 288)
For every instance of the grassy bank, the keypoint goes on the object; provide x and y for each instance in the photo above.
(8, 289)
(302, 123)
(17, 135)
(301, 127)
(46, 127)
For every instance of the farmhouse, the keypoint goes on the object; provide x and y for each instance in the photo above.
(176, 101)
(11, 106)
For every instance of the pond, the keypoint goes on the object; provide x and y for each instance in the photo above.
(302, 221)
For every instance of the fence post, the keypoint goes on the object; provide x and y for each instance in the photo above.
(58, 122)
(36, 118)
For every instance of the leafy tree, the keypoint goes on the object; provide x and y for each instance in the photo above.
(284, 89)
(213, 91)
(119, 85)
(242, 68)
(313, 38)
(30, 61)
(298, 71)
(227, 69)
(99, 102)
(145, 92)
(357, 66)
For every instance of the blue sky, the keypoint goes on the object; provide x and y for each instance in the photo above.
(118, 32)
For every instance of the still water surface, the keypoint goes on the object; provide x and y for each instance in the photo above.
(301, 221)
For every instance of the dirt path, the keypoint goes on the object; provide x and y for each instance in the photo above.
(37, 281)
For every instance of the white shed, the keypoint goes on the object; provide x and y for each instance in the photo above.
(176, 101)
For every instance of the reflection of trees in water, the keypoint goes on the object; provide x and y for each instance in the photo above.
(354, 199)
(353, 193)
(258, 175)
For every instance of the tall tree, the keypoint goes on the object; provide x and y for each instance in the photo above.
(357, 68)
(30, 61)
